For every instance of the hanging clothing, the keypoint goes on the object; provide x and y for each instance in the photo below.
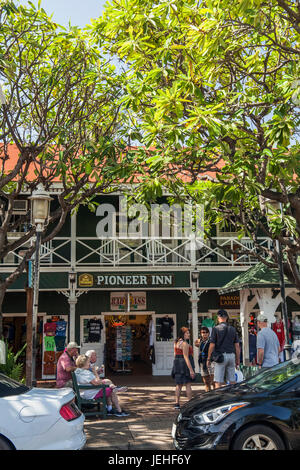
(278, 328)
(94, 328)
(151, 333)
(60, 342)
(49, 343)
(61, 328)
(50, 328)
(166, 327)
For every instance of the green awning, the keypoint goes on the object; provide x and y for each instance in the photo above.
(259, 276)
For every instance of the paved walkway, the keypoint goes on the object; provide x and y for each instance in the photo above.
(151, 416)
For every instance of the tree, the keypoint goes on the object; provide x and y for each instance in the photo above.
(214, 86)
(59, 122)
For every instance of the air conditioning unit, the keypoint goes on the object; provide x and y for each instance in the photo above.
(20, 206)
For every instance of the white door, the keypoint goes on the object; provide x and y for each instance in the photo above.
(163, 347)
(87, 342)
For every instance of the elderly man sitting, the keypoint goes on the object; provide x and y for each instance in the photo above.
(65, 365)
(92, 355)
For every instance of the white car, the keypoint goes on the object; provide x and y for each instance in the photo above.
(39, 418)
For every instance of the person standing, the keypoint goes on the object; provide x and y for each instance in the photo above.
(183, 368)
(65, 365)
(268, 346)
(224, 340)
(207, 374)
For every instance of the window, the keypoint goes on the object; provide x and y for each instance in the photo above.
(10, 387)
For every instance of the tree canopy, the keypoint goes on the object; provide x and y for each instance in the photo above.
(60, 123)
(214, 85)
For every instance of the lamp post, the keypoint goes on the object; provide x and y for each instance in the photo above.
(265, 204)
(194, 301)
(40, 204)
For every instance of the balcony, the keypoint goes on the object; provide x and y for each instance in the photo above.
(118, 252)
(219, 251)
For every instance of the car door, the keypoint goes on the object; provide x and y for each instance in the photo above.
(289, 399)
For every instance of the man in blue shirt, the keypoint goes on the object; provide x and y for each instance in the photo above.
(268, 347)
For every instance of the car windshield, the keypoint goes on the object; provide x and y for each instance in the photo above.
(9, 387)
(276, 376)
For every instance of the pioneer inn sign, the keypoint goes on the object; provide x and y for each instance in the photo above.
(111, 280)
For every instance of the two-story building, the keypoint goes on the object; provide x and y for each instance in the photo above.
(117, 285)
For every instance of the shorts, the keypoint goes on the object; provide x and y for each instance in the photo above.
(208, 371)
(225, 371)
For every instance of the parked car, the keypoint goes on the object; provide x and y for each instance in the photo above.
(261, 413)
(39, 419)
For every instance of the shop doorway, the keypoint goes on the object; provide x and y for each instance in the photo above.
(127, 348)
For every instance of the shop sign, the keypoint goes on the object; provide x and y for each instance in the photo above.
(128, 301)
(229, 301)
(234, 315)
(138, 280)
(126, 280)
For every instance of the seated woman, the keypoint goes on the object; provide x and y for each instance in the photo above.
(84, 377)
(93, 368)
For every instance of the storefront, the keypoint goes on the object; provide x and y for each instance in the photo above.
(138, 318)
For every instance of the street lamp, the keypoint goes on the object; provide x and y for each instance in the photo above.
(276, 205)
(40, 205)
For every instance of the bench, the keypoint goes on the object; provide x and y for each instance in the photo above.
(100, 402)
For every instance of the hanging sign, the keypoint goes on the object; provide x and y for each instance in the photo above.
(128, 301)
(229, 301)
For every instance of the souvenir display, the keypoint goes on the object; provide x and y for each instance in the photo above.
(54, 342)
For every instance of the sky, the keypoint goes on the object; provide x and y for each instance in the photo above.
(78, 12)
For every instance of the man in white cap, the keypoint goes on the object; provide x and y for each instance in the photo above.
(66, 365)
(268, 346)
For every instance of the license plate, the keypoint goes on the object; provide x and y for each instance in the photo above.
(173, 430)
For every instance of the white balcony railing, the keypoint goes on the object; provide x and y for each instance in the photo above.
(92, 251)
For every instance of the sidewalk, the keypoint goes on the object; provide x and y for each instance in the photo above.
(149, 425)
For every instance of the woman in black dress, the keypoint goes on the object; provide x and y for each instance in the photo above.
(183, 368)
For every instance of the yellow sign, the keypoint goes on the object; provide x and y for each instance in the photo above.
(229, 301)
(86, 280)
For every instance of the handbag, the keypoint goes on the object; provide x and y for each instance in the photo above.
(218, 356)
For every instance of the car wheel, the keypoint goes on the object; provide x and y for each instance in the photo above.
(258, 438)
(4, 445)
